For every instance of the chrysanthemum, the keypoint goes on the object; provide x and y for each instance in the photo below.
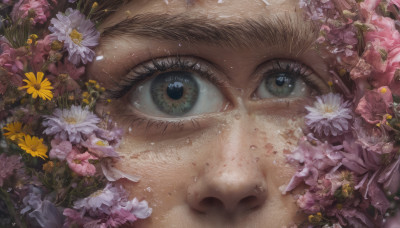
(78, 34)
(329, 115)
(37, 87)
(71, 124)
(33, 146)
(14, 130)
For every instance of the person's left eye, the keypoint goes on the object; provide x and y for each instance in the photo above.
(286, 79)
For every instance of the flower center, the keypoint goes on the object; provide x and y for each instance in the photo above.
(76, 37)
(36, 86)
(70, 120)
(328, 109)
(101, 143)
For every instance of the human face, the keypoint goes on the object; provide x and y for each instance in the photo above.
(217, 158)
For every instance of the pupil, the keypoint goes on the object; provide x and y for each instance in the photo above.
(175, 90)
(280, 80)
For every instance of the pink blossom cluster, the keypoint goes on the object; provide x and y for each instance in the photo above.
(350, 160)
(39, 9)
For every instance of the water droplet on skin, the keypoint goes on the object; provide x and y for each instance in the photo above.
(219, 132)
(180, 45)
(148, 189)
(195, 179)
(100, 57)
(152, 143)
(188, 141)
(253, 147)
(237, 116)
(130, 129)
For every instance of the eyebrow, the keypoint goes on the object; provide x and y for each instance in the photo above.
(285, 30)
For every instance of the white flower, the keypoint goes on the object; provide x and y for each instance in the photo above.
(71, 124)
(78, 34)
(329, 115)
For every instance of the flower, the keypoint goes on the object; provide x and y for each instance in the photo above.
(375, 105)
(7, 165)
(59, 149)
(40, 9)
(71, 124)
(33, 146)
(37, 87)
(14, 131)
(315, 157)
(80, 164)
(109, 207)
(78, 34)
(329, 115)
(101, 148)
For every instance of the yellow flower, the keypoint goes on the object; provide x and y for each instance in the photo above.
(37, 87)
(33, 146)
(14, 131)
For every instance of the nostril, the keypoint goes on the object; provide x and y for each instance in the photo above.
(211, 202)
(249, 202)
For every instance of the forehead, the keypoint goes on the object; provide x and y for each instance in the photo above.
(231, 10)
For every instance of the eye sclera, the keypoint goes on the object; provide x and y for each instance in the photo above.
(144, 74)
(298, 72)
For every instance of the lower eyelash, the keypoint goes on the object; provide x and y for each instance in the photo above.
(135, 121)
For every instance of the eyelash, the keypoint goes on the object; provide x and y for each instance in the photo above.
(296, 68)
(150, 69)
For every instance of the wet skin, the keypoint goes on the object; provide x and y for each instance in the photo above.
(221, 161)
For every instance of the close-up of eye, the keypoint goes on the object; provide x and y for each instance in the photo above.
(285, 79)
(177, 94)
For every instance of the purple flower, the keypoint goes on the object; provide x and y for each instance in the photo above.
(71, 124)
(7, 166)
(315, 157)
(329, 115)
(42, 212)
(78, 34)
(109, 207)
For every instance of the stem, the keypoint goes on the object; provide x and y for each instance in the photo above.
(6, 197)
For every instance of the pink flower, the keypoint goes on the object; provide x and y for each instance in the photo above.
(13, 61)
(101, 148)
(60, 149)
(67, 68)
(40, 52)
(79, 163)
(315, 157)
(383, 51)
(375, 105)
(7, 165)
(41, 9)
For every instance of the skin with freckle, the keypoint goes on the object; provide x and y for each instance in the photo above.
(226, 167)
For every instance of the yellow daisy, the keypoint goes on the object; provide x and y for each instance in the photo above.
(33, 146)
(37, 87)
(14, 131)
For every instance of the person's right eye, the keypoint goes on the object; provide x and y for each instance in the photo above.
(177, 93)
(175, 87)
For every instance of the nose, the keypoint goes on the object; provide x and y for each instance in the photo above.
(231, 181)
